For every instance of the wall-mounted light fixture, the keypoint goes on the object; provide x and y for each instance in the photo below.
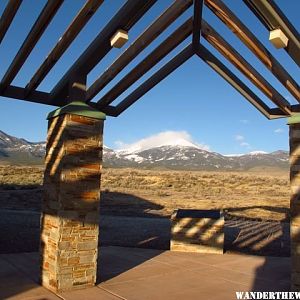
(278, 38)
(119, 38)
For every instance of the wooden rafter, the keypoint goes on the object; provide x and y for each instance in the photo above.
(125, 18)
(8, 16)
(180, 34)
(73, 84)
(272, 18)
(197, 17)
(156, 78)
(64, 42)
(233, 80)
(242, 65)
(152, 32)
(31, 40)
(257, 48)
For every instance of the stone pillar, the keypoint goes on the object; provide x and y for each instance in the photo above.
(70, 216)
(294, 123)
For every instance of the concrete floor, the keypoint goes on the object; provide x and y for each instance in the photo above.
(131, 273)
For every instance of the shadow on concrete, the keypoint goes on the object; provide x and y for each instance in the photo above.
(257, 236)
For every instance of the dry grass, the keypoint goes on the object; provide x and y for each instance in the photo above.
(262, 195)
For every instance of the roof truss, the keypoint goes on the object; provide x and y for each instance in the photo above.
(131, 12)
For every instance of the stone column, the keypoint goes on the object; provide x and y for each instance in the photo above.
(70, 216)
(294, 123)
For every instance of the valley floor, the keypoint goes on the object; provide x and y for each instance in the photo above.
(131, 192)
(136, 206)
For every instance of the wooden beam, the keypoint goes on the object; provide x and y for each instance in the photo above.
(156, 78)
(233, 80)
(180, 34)
(151, 33)
(257, 48)
(277, 113)
(84, 15)
(272, 18)
(31, 40)
(125, 18)
(8, 16)
(243, 66)
(19, 93)
(39, 97)
(197, 17)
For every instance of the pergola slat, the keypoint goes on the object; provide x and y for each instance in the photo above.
(198, 5)
(124, 19)
(146, 64)
(243, 66)
(8, 16)
(233, 80)
(162, 73)
(258, 49)
(19, 93)
(272, 18)
(84, 15)
(152, 32)
(31, 40)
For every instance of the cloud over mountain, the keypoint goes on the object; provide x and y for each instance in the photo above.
(165, 138)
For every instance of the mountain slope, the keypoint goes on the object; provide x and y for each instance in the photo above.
(192, 158)
(178, 155)
(20, 151)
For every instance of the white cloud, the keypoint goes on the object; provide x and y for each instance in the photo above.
(242, 141)
(239, 137)
(279, 130)
(182, 138)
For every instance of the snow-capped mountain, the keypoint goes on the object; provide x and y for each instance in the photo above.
(170, 154)
(15, 150)
(192, 158)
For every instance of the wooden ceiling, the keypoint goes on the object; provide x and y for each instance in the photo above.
(129, 14)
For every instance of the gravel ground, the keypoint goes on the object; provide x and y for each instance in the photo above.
(20, 233)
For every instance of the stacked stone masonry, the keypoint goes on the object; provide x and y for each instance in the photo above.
(295, 204)
(70, 218)
(202, 235)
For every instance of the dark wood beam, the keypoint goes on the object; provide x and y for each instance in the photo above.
(19, 93)
(124, 19)
(151, 33)
(8, 16)
(257, 48)
(272, 18)
(198, 5)
(243, 66)
(39, 97)
(233, 80)
(171, 42)
(31, 40)
(277, 113)
(84, 15)
(156, 78)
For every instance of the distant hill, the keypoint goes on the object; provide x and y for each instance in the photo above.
(19, 151)
(178, 155)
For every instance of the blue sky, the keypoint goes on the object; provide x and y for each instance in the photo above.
(193, 101)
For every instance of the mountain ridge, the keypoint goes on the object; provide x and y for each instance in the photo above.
(178, 155)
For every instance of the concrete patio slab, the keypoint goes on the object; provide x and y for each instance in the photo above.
(142, 274)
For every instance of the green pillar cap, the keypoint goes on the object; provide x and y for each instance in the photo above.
(78, 108)
(294, 119)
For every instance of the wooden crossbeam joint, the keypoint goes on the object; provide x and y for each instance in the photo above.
(197, 17)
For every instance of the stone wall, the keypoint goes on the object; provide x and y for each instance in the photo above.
(70, 216)
(197, 234)
(295, 204)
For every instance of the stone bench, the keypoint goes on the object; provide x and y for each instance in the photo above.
(197, 231)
